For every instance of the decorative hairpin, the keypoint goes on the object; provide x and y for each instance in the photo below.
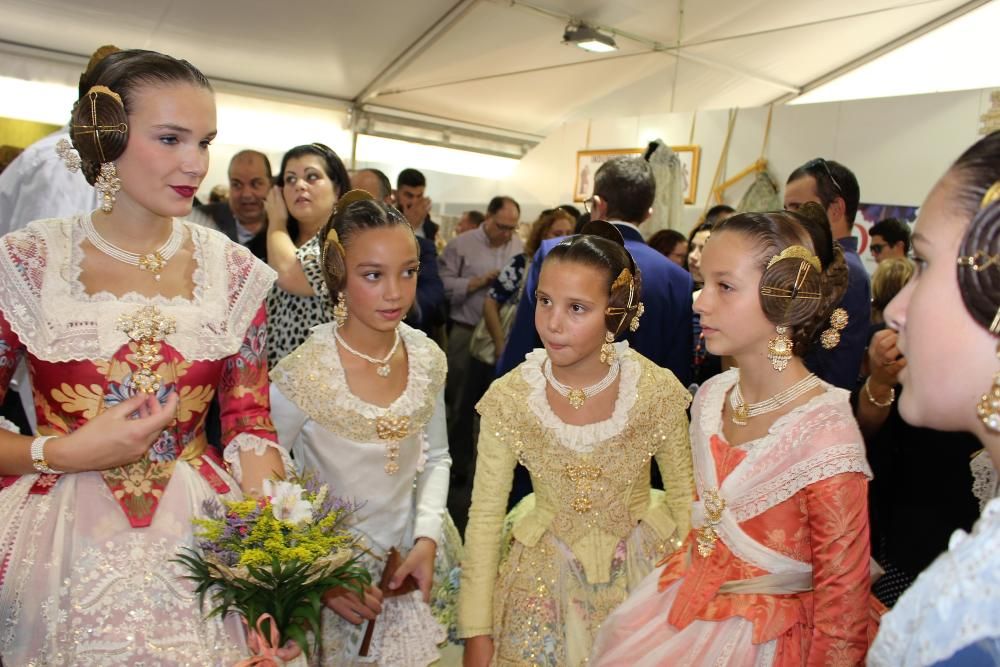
(332, 239)
(68, 155)
(797, 252)
(991, 195)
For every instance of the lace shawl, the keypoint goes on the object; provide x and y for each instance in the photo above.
(49, 309)
(812, 442)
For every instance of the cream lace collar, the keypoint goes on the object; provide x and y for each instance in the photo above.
(583, 439)
(313, 377)
(47, 306)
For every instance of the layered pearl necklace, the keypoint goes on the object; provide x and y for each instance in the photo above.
(577, 397)
(154, 262)
(383, 363)
(743, 411)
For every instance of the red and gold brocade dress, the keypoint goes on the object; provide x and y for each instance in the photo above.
(87, 577)
(776, 568)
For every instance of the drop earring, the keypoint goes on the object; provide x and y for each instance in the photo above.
(988, 407)
(340, 310)
(779, 349)
(108, 184)
(608, 349)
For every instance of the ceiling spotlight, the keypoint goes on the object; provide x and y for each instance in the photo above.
(588, 38)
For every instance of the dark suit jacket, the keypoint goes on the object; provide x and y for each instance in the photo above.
(430, 229)
(664, 334)
(428, 310)
(224, 221)
(841, 365)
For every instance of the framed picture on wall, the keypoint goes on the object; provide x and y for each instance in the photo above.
(587, 164)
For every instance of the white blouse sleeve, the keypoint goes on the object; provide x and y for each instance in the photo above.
(288, 421)
(433, 479)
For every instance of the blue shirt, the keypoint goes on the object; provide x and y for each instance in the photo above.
(664, 334)
(841, 365)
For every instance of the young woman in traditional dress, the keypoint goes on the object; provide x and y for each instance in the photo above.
(776, 568)
(584, 415)
(948, 319)
(127, 308)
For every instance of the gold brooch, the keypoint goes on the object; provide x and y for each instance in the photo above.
(392, 429)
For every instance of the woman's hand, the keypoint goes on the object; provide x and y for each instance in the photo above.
(117, 436)
(419, 564)
(277, 212)
(478, 651)
(351, 608)
(885, 361)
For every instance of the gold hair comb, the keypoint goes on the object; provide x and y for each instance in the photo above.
(991, 195)
(797, 252)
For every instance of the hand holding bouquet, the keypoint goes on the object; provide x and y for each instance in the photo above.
(270, 559)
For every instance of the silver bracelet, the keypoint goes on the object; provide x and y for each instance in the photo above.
(38, 455)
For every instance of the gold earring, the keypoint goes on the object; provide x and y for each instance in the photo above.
(108, 184)
(68, 155)
(831, 337)
(340, 310)
(988, 407)
(608, 349)
(779, 349)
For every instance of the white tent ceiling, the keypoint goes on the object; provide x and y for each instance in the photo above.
(494, 63)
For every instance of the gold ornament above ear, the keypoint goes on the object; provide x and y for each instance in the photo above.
(623, 279)
(991, 195)
(332, 239)
(797, 252)
(94, 90)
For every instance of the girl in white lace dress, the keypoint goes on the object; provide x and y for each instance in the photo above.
(948, 318)
(106, 307)
(361, 404)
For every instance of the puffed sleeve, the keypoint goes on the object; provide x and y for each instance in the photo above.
(433, 480)
(244, 402)
(494, 473)
(673, 457)
(838, 527)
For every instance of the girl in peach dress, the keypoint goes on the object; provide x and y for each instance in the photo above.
(775, 570)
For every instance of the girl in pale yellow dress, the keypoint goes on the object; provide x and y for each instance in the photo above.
(584, 415)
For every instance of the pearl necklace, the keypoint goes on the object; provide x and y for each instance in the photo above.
(577, 397)
(743, 411)
(383, 363)
(154, 262)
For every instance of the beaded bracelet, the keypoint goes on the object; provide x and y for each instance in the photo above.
(38, 455)
(871, 399)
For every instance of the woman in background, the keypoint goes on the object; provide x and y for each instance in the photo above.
(311, 180)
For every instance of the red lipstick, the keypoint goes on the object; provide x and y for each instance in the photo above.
(187, 191)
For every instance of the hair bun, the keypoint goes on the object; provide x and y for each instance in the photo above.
(99, 129)
(605, 230)
(979, 267)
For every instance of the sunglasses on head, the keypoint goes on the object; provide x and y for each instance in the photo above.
(821, 164)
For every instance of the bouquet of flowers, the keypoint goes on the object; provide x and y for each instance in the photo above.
(270, 559)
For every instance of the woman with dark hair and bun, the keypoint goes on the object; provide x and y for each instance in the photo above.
(948, 319)
(584, 415)
(126, 309)
(311, 180)
(775, 570)
(362, 403)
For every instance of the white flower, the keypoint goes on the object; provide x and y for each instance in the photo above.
(287, 503)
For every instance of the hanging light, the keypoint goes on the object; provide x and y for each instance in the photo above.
(588, 38)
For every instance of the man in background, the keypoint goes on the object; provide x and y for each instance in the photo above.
(834, 187)
(411, 202)
(242, 216)
(890, 239)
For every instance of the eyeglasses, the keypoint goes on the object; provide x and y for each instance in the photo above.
(506, 229)
(588, 203)
(821, 163)
(877, 248)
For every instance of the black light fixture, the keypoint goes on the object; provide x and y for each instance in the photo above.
(588, 38)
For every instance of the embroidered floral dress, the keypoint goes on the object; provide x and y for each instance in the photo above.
(347, 441)
(87, 577)
(776, 568)
(594, 529)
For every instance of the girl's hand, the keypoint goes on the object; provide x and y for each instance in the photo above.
(277, 212)
(351, 608)
(478, 651)
(419, 564)
(117, 436)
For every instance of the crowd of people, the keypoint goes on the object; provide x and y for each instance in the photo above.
(825, 443)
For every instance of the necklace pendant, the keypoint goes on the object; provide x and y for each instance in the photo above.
(576, 398)
(153, 262)
(741, 414)
(383, 370)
